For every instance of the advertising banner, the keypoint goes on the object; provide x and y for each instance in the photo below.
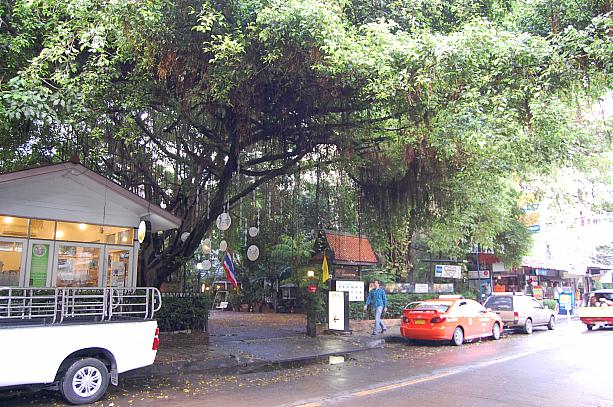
(39, 263)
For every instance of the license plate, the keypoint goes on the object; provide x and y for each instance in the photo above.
(420, 321)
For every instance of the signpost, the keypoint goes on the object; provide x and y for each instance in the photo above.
(421, 288)
(354, 288)
(338, 311)
(447, 271)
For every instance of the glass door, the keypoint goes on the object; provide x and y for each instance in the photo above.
(77, 265)
(40, 260)
(118, 266)
(12, 262)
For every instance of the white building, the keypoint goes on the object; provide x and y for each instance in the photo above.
(64, 225)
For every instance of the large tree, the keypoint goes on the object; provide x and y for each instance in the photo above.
(196, 104)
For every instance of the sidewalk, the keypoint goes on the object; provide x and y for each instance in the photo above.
(245, 341)
(242, 341)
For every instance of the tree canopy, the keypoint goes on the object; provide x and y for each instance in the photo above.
(430, 106)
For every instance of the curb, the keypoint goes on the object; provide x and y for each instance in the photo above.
(231, 364)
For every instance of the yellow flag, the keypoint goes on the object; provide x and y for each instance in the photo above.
(325, 274)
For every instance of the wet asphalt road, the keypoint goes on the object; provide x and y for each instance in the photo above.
(566, 367)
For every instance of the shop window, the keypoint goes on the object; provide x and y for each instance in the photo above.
(78, 232)
(10, 263)
(77, 266)
(13, 226)
(42, 229)
(118, 235)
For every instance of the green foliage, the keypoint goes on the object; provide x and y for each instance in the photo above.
(551, 304)
(182, 313)
(395, 305)
(431, 108)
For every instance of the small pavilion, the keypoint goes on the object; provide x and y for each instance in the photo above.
(63, 225)
(348, 255)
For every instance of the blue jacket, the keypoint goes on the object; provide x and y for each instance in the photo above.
(377, 297)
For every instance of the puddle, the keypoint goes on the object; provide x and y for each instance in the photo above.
(292, 364)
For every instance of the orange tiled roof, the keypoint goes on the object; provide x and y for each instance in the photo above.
(350, 248)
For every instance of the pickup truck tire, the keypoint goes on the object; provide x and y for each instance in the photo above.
(85, 381)
(528, 326)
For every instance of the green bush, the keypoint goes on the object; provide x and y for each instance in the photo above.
(551, 304)
(395, 305)
(185, 312)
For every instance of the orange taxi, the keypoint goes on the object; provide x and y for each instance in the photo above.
(450, 317)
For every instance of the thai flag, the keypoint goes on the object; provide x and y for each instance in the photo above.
(230, 272)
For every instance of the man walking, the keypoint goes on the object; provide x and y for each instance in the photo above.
(377, 297)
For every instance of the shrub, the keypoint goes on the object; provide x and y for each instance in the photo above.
(395, 305)
(179, 313)
(551, 304)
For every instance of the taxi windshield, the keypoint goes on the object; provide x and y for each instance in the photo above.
(429, 306)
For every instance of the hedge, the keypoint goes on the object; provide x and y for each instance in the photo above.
(395, 304)
(551, 304)
(180, 313)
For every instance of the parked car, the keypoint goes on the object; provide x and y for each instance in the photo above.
(519, 311)
(449, 317)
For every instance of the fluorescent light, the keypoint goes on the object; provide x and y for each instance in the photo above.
(8, 219)
(82, 226)
(59, 234)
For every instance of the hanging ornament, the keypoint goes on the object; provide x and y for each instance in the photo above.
(224, 221)
(206, 265)
(223, 245)
(253, 231)
(206, 246)
(253, 252)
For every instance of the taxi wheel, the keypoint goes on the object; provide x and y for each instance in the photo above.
(458, 336)
(528, 326)
(496, 331)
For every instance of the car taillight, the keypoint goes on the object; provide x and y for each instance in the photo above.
(156, 339)
(516, 315)
(405, 319)
(438, 320)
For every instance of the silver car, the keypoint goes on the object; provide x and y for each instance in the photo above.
(519, 311)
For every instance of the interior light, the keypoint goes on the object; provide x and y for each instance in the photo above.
(59, 234)
(8, 219)
(82, 226)
(124, 239)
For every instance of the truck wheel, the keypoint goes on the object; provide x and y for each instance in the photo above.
(528, 326)
(85, 381)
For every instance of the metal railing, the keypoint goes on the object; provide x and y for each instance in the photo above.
(57, 305)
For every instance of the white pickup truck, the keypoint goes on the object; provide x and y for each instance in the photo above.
(75, 340)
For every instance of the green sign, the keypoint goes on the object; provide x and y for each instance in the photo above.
(39, 264)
